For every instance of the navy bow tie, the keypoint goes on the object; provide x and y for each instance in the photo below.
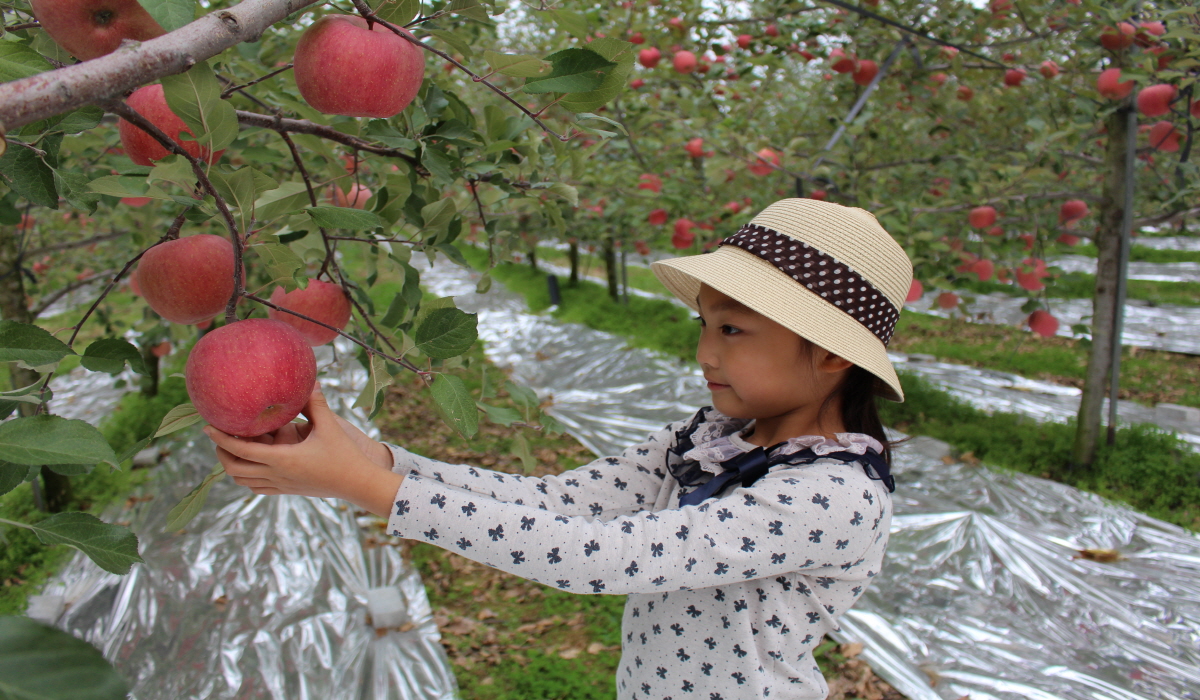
(748, 467)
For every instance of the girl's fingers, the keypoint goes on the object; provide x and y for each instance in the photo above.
(238, 467)
(246, 449)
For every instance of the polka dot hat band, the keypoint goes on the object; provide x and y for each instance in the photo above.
(829, 273)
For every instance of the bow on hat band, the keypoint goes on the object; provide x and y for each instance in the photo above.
(823, 275)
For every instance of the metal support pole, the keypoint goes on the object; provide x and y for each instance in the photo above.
(1122, 268)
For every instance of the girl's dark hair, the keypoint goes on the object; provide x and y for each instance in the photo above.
(860, 414)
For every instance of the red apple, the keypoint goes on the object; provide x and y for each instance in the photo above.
(356, 198)
(1155, 101)
(939, 79)
(995, 231)
(636, 83)
(771, 30)
(684, 62)
(320, 300)
(1014, 76)
(1164, 137)
(649, 181)
(949, 52)
(141, 147)
(947, 300)
(162, 349)
(965, 93)
(675, 23)
(982, 217)
(983, 268)
(658, 217)
(91, 28)
(819, 195)
(1195, 111)
(915, 291)
(40, 267)
(637, 38)
(744, 41)
(1109, 85)
(695, 148)
(839, 62)
(1030, 274)
(135, 202)
(1042, 323)
(1071, 211)
(650, 57)
(865, 73)
(1068, 239)
(250, 377)
(683, 237)
(1048, 69)
(641, 247)
(762, 166)
(733, 207)
(189, 279)
(342, 67)
(1029, 240)
(1119, 38)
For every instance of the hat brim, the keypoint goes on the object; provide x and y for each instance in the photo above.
(759, 285)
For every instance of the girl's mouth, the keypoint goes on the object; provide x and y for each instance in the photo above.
(713, 386)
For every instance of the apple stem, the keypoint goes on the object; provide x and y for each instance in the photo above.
(239, 88)
(398, 360)
(370, 16)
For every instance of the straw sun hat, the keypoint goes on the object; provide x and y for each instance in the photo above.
(829, 273)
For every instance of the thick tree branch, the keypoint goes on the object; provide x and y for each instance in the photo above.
(101, 79)
(48, 300)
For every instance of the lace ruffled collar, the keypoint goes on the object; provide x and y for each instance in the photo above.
(712, 438)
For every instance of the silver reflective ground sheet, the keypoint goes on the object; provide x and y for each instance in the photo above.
(982, 593)
(261, 597)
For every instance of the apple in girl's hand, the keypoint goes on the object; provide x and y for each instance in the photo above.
(322, 301)
(342, 67)
(91, 28)
(356, 198)
(250, 377)
(142, 148)
(187, 280)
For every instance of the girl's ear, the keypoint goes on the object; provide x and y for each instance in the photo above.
(829, 362)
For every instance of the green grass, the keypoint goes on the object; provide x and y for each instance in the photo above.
(25, 563)
(647, 323)
(1150, 470)
(1139, 253)
(1080, 285)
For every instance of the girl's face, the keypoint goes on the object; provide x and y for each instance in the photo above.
(756, 368)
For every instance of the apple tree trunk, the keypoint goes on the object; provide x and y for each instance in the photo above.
(54, 491)
(610, 268)
(1104, 298)
(573, 255)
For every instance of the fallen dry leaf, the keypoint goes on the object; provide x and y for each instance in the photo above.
(570, 653)
(595, 648)
(850, 650)
(1104, 556)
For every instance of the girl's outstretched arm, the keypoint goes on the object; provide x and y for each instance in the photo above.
(321, 460)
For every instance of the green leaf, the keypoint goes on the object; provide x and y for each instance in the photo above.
(437, 162)
(288, 198)
(30, 345)
(551, 425)
(12, 476)
(125, 186)
(43, 662)
(195, 96)
(453, 41)
(182, 416)
(133, 449)
(484, 284)
(82, 119)
(521, 451)
(240, 188)
(52, 440)
(455, 404)
(176, 170)
(28, 394)
(399, 12)
(501, 415)
(516, 65)
(29, 176)
(521, 395)
(19, 60)
(620, 52)
(186, 509)
(112, 547)
(567, 192)
(446, 333)
(469, 8)
(282, 264)
(575, 70)
(396, 311)
(74, 187)
(170, 14)
(110, 355)
(437, 214)
(345, 218)
(570, 22)
(378, 379)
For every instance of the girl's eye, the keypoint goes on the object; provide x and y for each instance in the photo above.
(729, 330)
(697, 318)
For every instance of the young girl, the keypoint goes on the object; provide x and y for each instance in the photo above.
(741, 534)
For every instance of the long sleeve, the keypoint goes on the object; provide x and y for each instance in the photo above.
(605, 488)
(810, 518)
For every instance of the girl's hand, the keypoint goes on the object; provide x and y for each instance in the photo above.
(324, 458)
